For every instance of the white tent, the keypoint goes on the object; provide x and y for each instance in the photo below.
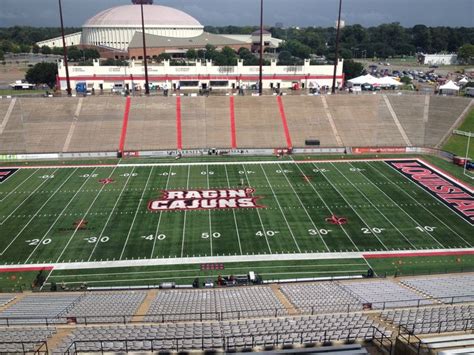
(388, 81)
(463, 81)
(449, 86)
(364, 79)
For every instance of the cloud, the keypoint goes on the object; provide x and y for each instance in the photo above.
(246, 12)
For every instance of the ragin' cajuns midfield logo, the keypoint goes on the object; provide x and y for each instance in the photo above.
(173, 200)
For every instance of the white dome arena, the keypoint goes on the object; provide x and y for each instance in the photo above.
(115, 27)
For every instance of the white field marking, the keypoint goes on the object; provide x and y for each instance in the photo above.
(396, 204)
(159, 218)
(431, 213)
(210, 221)
(304, 208)
(73, 125)
(233, 258)
(258, 212)
(446, 175)
(233, 212)
(59, 216)
(329, 209)
(184, 222)
(227, 268)
(110, 215)
(136, 213)
(281, 210)
(29, 195)
(46, 280)
(373, 205)
(19, 185)
(353, 209)
(83, 217)
(397, 121)
(7, 115)
(37, 212)
(119, 165)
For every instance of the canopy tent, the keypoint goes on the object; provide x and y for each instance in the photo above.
(388, 81)
(463, 81)
(449, 86)
(363, 79)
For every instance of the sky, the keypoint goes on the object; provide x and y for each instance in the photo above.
(246, 12)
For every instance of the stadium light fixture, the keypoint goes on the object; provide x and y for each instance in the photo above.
(336, 57)
(147, 85)
(260, 80)
(69, 91)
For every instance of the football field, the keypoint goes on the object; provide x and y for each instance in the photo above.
(115, 213)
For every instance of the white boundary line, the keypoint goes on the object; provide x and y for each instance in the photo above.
(352, 208)
(258, 212)
(159, 218)
(417, 203)
(380, 212)
(232, 258)
(281, 210)
(233, 212)
(304, 208)
(136, 213)
(60, 215)
(110, 215)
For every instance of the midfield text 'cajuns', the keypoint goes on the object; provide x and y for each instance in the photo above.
(173, 200)
(449, 192)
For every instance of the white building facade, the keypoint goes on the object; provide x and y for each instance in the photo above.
(201, 75)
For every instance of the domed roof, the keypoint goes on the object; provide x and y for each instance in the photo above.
(130, 16)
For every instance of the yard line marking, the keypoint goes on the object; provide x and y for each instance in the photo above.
(396, 204)
(258, 212)
(281, 210)
(304, 208)
(352, 208)
(136, 213)
(159, 218)
(29, 195)
(34, 172)
(59, 216)
(7, 115)
(328, 208)
(110, 215)
(83, 217)
(233, 212)
(210, 222)
(418, 203)
(184, 222)
(38, 211)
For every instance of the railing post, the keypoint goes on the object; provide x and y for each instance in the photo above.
(101, 347)
(202, 343)
(277, 338)
(418, 303)
(124, 319)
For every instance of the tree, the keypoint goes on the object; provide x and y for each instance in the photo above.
(163, 56)
(352, 69)
(191, 54)
(406, 80)
(297, 49)
(35, 49)
(42, 73)
(2, 56)
(46, 50)
(466, 54)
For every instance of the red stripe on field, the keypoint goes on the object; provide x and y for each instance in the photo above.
(179, 139)
(25, 269)
(125, 124)
(419, 253)
(232, 123)
(285, 123)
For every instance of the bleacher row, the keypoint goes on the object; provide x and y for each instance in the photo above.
(240, 317)
(94, 124)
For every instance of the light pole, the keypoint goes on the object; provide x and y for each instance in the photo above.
(336, 58)
(69, 91)
(260, 80)
(147, 85)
